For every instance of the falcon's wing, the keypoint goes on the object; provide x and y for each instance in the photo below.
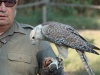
(59, 28)
(62, 34)
(73, 31)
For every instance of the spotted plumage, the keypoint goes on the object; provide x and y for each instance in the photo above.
(64, 36)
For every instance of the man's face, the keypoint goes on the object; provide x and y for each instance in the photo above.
(7, 12)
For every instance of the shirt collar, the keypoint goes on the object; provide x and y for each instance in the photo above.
(15, 28)
(19, 28)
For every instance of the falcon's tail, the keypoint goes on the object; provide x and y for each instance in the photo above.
(85, 62)
(95, 52)
(92, 51)
(94, 47)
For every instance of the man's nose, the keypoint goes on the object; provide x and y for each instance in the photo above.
(2, 7)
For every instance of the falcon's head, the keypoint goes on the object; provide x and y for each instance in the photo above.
(36, 34)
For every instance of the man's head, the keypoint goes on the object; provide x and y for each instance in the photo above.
(7, 12)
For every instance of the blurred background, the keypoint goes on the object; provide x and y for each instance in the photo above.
(83, 15)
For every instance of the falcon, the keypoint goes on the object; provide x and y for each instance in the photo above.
(64, 37)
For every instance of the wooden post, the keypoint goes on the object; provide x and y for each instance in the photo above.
(44, 10)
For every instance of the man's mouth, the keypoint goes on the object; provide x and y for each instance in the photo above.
(2, 17)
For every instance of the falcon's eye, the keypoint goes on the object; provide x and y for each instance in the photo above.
(33, 37)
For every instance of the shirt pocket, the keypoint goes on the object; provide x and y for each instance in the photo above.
(19, 63)
(19, 57)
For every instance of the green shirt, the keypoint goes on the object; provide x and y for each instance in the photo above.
(18, 56)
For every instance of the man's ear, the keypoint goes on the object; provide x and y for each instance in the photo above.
(16, 3)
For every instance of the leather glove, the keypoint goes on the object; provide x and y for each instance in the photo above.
(53, 66)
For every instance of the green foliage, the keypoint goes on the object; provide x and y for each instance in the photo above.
(78, 22)
(79, 1)
(78, 17)
(29, 17)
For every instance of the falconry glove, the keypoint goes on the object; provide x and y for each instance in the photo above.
(53, 66)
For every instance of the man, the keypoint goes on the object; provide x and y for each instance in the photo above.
(17, 55)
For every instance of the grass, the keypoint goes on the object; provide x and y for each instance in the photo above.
(73, 64)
